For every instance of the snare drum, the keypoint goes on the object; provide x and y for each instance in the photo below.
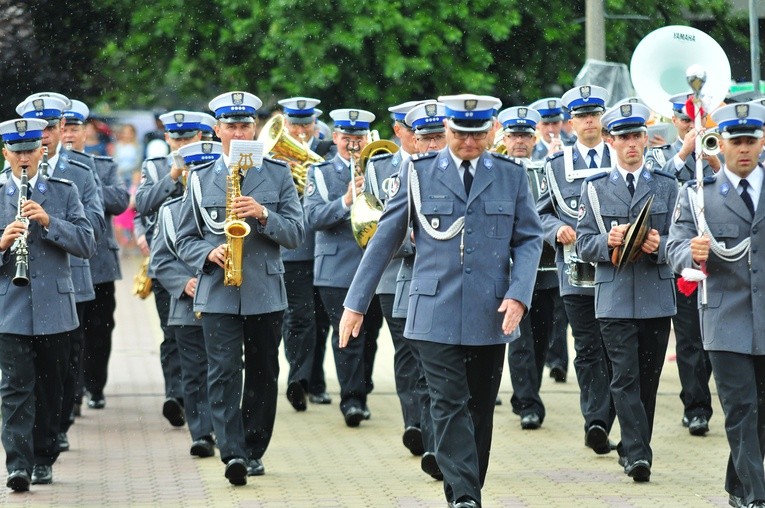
(547, 261)
(581, 274)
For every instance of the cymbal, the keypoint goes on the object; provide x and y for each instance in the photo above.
(636, 235)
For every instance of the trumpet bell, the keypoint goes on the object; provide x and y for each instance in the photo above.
(661, 59)
(365, 213)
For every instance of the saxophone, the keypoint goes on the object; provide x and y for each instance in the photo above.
(236, 229)
(141, 281)
(19, 246)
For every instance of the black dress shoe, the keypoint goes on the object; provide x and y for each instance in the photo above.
(63, 442)
(531, 421)
(639, 471)
(413, 440)
(173, 411)
(42, 475)
(255, 467)
(204, 447)
(736, 502)
(558, 374)
(698, 426)
(353, 416)
(320, 398)
(367, 413)
(429, 465)
(498, 402)
(296, 396)
(465, 503)
(622, 460)
(597, 439)
(97, 401)
(236, 472)
(18, 481)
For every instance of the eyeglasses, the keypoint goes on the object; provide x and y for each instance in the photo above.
(436, 138)
(478, 136)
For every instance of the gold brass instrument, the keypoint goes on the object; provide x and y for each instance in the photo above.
(499, 143)
(236, 229)
(19, 246)
(710, 143)
(367, 209)
(278, 142)
(141, 281)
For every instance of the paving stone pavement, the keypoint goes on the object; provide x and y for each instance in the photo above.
(128, 455)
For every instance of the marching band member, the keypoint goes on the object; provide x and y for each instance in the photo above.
(565, 172)
(328, 198)
(180, 281)
(39, 317)
(633, 304)
(472, 217)
(161, 180)
(549, 128)
(92, 361)
(306, 323)
(207, 126)
(249, 315)
(732, 319)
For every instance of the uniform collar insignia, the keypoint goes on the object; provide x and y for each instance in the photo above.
(41, 186)
(396, 159)
(646, 175)
(11, 190)
(488, 162)
(724, 189)
(443, 163)
(615, 175)
(338, 166)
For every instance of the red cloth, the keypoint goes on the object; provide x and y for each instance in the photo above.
(686, 287)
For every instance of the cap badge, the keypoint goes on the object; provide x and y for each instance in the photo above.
(585, 92)
(470, 104)
(552, 104)
(626, 110)
(207, 147)
(353, 115)
(179, 117)
(21, 127)
(237, 98)
(431, 109)
(742, 110)
(301, 104)
(523, 112)
(39, 104)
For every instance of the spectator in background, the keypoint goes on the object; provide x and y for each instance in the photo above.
(127, 153)
(96, 139)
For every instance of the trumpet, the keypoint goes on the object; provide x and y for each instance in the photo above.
(20, 244)
(710, 143)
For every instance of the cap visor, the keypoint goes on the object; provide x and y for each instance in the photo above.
(485, 126)
(23, 146)
(757, 133)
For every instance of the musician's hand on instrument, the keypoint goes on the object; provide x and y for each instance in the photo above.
(218, 255)
(513, 310)
(350, 325)
(616, 235)
(651, 243)
(657, 140)
(191, 287)
(143, 245)
(354, 187)
(566, 235)
(713, 161)
(33, 211)
(700, 248)
(556, 145)
(246, 206)
(689, 144)
(176, 172)
(10, 233)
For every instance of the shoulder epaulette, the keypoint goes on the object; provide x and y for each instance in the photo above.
(103, 158)
(663, 173)
(83, 154)
(60, 180)
(710, 179)
(554, 156)
(596, 177)
(422, 156)
(325, 163)
(382, 156)
(79, 164)
(276, 161)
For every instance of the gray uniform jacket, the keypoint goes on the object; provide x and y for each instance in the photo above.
(89, 189)
(337, 255)
(171, 272)
(381, 171)
(454, 297)
(733, 319)
(558, 211)
(262, 290)
(47, 305)
(685, 173)
(105, 264)
(643, 289)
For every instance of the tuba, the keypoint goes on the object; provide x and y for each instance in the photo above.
(278, 142)
(366, 208)
(236, 229)
(141, 281)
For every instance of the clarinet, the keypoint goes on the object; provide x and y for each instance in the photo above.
(44, 164)
(19, 246)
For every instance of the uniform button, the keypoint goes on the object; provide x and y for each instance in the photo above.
(31, 258)
(754, 290)
(34, 275)
(754, 270)
(754, 231)
(469, 250)
(500, 208)
(469, 230)
(468, 270)
(55, 237)
(469, 210)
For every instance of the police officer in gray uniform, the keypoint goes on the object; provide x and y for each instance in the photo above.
(249, 315)
(98, 315)
(180, 280)
(306, 323)
(550, 128)
(472, 216)
(557, 209)
(693, 364)
(634, 303)
(34, 335)
(328, 198)
(733, 323)
(161, 180)
(380, 173)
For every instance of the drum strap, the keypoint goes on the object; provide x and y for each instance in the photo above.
(595, 203)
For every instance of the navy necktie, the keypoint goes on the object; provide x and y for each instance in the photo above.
(467, 177)
(592, 154)
(631, 183)
(744, 184)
